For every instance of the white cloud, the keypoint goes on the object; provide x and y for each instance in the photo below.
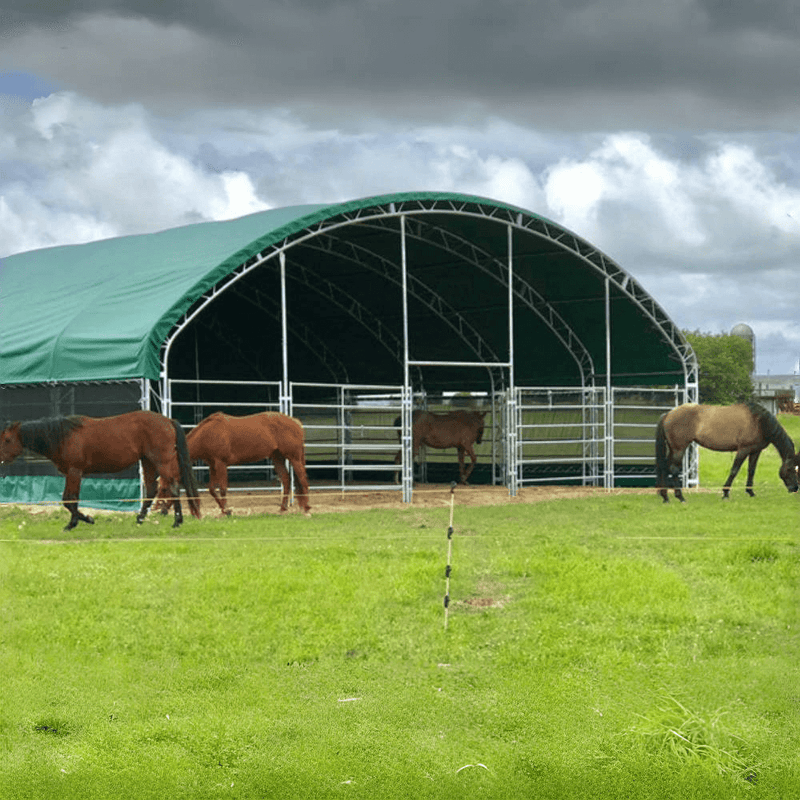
(628, 173)
(706, 225)
(92, 171)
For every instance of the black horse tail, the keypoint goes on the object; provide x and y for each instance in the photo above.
(662, 454)
(185, 466)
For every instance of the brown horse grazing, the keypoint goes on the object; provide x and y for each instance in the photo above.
(746, 428)
(458, 429)
(81, 446)
(222, 440)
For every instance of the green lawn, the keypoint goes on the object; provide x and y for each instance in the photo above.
(609, 647)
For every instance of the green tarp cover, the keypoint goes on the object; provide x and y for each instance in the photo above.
(114, 494)
(100, 311)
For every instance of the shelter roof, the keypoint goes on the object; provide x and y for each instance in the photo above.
(104, 310)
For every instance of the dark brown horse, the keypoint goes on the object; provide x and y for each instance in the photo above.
(459, 429)
(81, 446)
(746, 428)
(222, 440)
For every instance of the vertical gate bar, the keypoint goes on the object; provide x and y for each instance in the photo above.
(285, 399)
(608, 479)
(144, 404)
(340, 413)
(285, 402)
(515, 422)
(406, 458)
(494, 438)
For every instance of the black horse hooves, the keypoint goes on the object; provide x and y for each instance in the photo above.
(72, 524)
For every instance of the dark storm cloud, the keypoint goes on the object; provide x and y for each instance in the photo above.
(606, 60)
(663, 132)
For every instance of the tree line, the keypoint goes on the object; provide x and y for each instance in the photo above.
(726, 365)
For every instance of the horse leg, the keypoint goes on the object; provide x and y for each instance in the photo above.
(300, 473)
(737, 463)
(283, 474)
(397, 459)
(163, 502)
(674, 475)
(169, 491)
(169, 496)
(72, 490)
(218, 484)
(751, 471)
(150, 476)
(178, 518)
(473, 462)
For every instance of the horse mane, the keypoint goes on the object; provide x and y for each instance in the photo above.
(772, 430)
(44, 436)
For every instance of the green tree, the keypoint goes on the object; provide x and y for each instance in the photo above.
(725, 367)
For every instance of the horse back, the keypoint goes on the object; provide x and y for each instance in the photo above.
(452, 429)
(246, 439)
(111, 444)
(722, 428)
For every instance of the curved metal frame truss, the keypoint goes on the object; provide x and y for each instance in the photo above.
(324, 236)
(392, 272)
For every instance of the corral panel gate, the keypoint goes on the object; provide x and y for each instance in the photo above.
(191, 401)
(351, 438)
(635, 414)
(560, 435)
(573, 435)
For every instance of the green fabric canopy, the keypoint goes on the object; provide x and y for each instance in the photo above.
(102, 311)
(99, 311)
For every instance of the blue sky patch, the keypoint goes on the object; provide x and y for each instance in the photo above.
(25, 85)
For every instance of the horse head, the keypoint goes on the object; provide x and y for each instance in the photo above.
(788, 472)
(10, 442)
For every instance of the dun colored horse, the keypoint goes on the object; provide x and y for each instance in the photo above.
(459, 429)
(81, 446)
(222, 440)
(746, 428)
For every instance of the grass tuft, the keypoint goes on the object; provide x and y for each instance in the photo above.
(685, 735)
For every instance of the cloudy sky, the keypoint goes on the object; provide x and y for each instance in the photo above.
(664, 131)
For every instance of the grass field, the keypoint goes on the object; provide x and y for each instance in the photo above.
(598, 648)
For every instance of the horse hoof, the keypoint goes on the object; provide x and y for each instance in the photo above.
(227, 512)
(90, 520)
